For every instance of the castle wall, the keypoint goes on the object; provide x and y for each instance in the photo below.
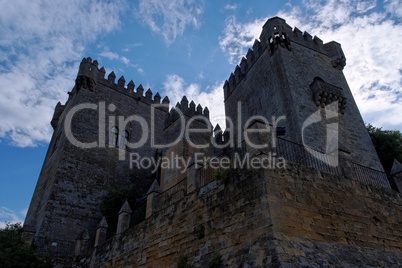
(261, 91)
(231, 221)
(322, 220)
(296, 216)
(182, 149)
(74, 180)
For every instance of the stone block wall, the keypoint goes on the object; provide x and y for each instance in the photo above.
(322, 220)
(297, 217)
(232, 222)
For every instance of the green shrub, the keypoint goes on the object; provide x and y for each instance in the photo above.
(216, 262)
(183, 262)
(199, 231)
(222, 175)
(14, 252)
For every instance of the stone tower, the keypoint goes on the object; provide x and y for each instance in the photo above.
(296, 82)
(87, 156)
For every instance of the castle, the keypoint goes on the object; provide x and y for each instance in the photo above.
(293, 179)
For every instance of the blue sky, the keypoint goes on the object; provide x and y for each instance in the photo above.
(176, 48)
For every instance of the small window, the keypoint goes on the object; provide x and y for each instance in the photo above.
(123, 139)
(113, 137)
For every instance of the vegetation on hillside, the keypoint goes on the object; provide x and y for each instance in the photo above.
(14, 252)
(388, 144)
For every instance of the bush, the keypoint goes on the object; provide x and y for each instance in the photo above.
(222, 175)
(199, 231)
(388, 144)
(14, 252)
(183, 262)
(216, 262)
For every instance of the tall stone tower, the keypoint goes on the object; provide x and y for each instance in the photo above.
(87, 156)
(296, 82)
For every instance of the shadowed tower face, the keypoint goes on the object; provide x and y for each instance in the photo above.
(84, 160)
(296, 82)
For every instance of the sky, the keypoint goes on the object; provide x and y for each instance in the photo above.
(176, 48)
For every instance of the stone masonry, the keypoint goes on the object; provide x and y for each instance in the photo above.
(298, 217)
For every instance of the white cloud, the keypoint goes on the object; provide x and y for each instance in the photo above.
(114, 56)
(129, 47)
(170, 17)
(230, 7)
(41, 41)
(140, 70)
(394, 7)
(8, 215)
(175, 87)
(371, 41)
(239, 36)
(331, 13)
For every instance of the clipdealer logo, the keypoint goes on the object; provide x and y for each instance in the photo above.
(147, 132)
(244, 131)
(330, 156)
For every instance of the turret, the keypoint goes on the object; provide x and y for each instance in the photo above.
(87, 74)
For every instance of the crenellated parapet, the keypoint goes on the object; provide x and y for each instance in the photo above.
(138, 93)
(242, 69)
(58, 110)
(185, 108)
(277, 34)
(89, 76)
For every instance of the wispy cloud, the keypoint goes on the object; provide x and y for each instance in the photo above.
(394, 7)
(8, 215)
(41, 41)
(239, 36)
(114, 56)
(170, 17)
(212, 97)
(129, 47)
(230, 7)
(371, 40)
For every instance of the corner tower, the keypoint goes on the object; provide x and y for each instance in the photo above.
(88, 156)
(296, 82)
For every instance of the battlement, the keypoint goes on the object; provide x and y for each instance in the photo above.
(277, 33)
(58, 110)
(89, 76)
(245, 65)
(221, 136)
(185, 108)
(276, 30)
